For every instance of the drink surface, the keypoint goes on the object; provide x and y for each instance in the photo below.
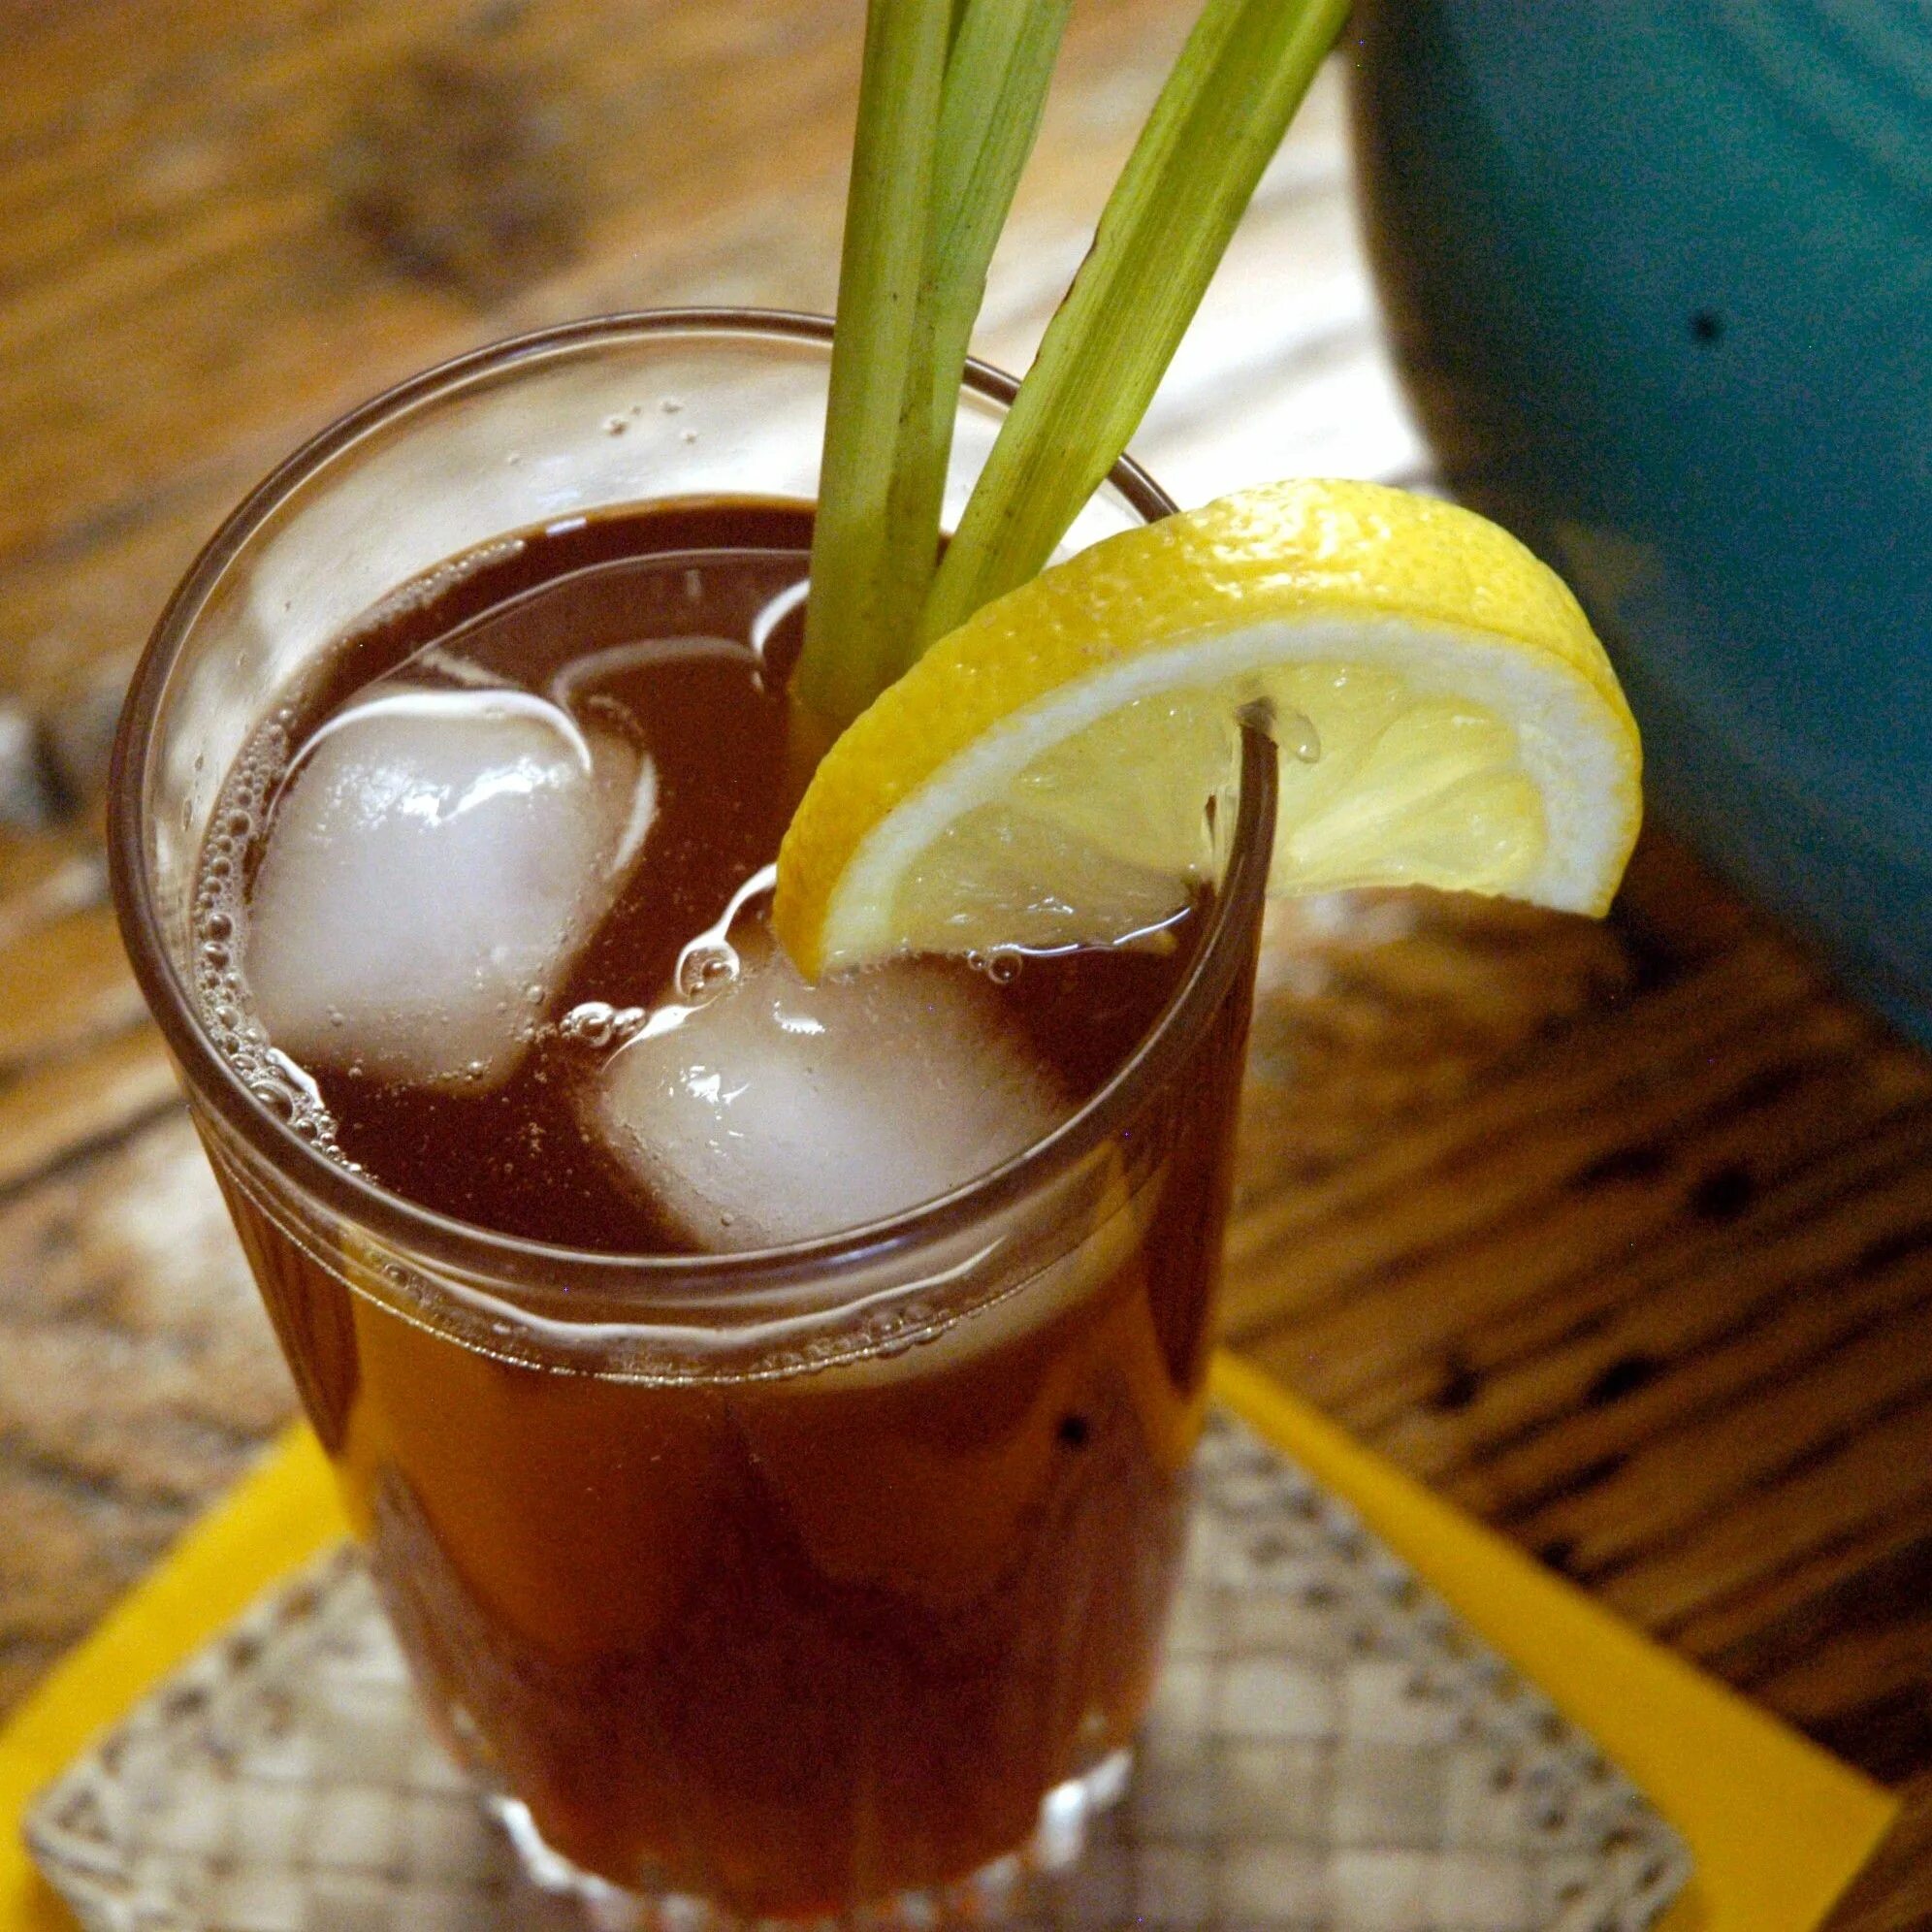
(660, 640)
(789, 1642)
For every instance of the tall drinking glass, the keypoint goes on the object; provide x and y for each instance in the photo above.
(780, 1584)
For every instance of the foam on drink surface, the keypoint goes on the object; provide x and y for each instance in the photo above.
(218, 936)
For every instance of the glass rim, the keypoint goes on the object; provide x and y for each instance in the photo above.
(435, 1239)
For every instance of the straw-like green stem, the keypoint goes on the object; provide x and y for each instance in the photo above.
(1218, 120)
(869, 574)
(889, 432)
(1003, 55)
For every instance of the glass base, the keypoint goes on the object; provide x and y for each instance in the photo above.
(1066, 1816)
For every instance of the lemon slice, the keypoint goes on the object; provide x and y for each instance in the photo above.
(1041, 777)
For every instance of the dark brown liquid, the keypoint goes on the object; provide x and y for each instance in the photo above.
(794, 1643)
(719, 727)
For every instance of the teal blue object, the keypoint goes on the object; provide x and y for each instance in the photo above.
(1659, 277)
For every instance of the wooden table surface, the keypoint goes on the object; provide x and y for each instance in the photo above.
(1620, 1233)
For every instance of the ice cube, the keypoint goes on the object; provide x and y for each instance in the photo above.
(778, 1111)
(434, 865)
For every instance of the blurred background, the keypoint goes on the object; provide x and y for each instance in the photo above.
(1621, 1235)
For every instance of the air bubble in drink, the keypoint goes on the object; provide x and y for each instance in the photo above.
(274, 1097)
(596, 1023)
(704, 971)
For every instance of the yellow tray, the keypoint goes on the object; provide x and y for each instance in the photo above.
(1777, 1827)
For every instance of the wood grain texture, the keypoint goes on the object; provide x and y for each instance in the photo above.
(1619, 1233)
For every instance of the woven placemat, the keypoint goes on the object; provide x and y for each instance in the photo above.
(1329, 1751)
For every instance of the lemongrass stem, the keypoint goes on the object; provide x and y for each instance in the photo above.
(1002, 58)
(868, 576)
(1219, 119)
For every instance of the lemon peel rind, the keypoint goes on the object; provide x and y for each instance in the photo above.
(1286, 574)
(1585, 842)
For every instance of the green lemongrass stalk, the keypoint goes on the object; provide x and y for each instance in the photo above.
(1003, 55)
(884, 475)
(868, 576)
(1219, 119)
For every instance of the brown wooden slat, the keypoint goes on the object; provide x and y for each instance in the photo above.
(1578, 1080)
(62, 985)
(1338, 1253)
(1704, 1339)
(136, 1376)
(1689, 1476)
(1894, 1894)
(1884, 1466)
(1860, 1666)
(266, 261)
(80, 1061)
(1612, 1350)
(1785, 1612)
(45, 874)
(61, 1105)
